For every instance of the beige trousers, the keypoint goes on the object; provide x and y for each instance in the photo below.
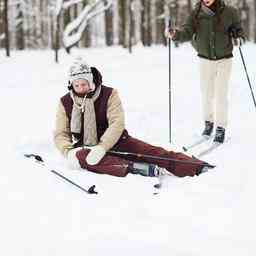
(214, 80)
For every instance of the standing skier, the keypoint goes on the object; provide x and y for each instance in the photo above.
(210, 27)
(90, 122)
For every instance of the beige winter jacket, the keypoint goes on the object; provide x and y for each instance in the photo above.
(115, 116)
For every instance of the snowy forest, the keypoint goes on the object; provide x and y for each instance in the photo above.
(55, 24)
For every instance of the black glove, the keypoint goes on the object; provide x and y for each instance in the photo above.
(236, 34)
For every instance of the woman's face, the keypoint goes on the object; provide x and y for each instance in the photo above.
(208, 2)
(81, 86)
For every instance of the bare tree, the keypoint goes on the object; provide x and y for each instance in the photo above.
(109, 35)
(254, 21)
(131, 6)
(122, 22)
(56, 45)
(189, 6)
(1, 22)
(145, 23)
(87, 34)
(160, 23)
(6, 29)
(20, 44)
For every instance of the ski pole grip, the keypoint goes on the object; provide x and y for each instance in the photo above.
(169, 24)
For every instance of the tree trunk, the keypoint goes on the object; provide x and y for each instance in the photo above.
(189, 6)
(86, 37)
(6, 29)
(42, 24)
(255, 21)
(160, 26)
(19, 29)
(1, 24)
(149, 29)
(245, 18)
(109, 34)
(122, 22)
(57, 38)
(131, 24)
(87, 31)
(145, 23)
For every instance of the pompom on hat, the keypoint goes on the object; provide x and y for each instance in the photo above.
(79, 69)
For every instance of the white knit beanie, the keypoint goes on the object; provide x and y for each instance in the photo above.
(81, 70)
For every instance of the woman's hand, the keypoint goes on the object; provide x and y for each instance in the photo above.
(170, 33)
(95, 155)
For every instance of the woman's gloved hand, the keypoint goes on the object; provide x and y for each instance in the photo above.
(95, 155)
(236, 35)
(73, 162)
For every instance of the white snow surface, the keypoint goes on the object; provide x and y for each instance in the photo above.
(213, 214)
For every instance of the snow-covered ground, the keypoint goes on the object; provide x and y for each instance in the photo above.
(213, 214)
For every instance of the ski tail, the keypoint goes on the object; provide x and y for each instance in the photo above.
(196, 143)
(212, 148)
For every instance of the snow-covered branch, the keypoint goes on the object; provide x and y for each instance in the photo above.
(74, 30)
(66, 5)
(58, 7)
(21, 2)
(18, 22)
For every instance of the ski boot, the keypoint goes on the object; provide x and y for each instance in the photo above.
(208, 129)
(219, 135)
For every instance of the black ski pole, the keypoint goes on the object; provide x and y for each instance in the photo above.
(40, 160)
(170, 95)
(242, 57)
(159, 158)
(89, 191)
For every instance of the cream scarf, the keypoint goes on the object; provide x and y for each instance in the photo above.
(85, 106)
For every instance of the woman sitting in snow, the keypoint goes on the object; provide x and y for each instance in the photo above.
(90, 122)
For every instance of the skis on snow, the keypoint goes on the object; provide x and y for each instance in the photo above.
(207, 149)
(38, 159)
(212, 147)
(197, 142)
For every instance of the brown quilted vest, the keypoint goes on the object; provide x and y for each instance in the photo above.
(100, 106)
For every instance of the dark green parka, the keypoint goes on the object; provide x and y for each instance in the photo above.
(211, 34)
